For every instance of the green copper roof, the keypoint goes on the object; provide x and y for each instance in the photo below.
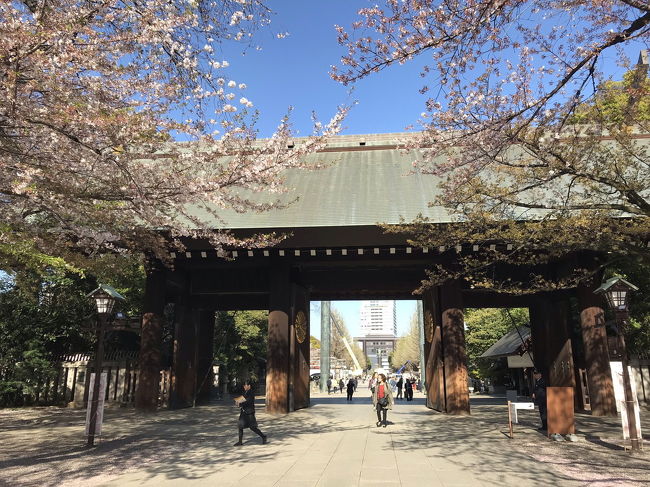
(362, 185)
(508, 344)
(110, 290)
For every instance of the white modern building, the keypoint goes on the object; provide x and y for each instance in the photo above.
(378, 318)
(378, 322)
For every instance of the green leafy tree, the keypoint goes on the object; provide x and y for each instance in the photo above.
(45, 313)
(408, 347)
(617, 102)
(484, 327)
(240, 343)
(37, 324)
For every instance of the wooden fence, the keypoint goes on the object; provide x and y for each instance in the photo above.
(71, 384)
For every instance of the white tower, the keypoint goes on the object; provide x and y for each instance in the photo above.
(378, 318)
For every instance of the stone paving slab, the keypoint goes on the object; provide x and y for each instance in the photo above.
(332, 443)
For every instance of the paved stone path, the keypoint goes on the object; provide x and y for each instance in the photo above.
(332, 443)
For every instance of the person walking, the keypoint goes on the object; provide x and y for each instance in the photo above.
(408, 390)
(372, 382)
(350, 388)
(392, 383)
(341, 385)
(382, 400)
(329, 385)
(247, 419)
(539, 397)
(400, 384)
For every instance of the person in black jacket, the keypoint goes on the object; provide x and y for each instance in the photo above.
(539, 396)
(408, 390)
(350, 389)
(400, 384)
(247, 414)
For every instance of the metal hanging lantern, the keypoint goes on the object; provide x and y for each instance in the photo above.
(105, 298)
(617, 292)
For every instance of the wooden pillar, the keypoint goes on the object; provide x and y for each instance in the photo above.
(421, 341)
(453, 345)
(146, 395)
(434, 364)
(594, 337)
(300, 329)
(561, 370)
(277, 364)
(205, 353)
(538, 312)
(184, 373)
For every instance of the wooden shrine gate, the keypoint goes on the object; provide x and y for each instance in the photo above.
(335, 251)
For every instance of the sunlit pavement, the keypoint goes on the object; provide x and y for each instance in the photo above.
(332, 443)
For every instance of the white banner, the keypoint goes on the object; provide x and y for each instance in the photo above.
(619, 394)
(100, 404)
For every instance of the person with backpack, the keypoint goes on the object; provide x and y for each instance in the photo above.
(382, 400)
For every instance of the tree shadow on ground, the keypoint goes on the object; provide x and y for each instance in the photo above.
(47, 448)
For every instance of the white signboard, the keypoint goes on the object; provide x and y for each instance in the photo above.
(619, 395)
(100, 404)
(519, 405)
(512, 413)
(519, 362)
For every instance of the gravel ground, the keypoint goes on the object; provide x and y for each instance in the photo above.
(591, 461)
(45, 446)
(598, 458)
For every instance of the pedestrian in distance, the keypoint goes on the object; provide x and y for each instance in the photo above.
(356, 383)
(341, 385)
(329, 385)
(539, 397)
(400, 385)
(408, 390)
(247, 419)
(382, 400)
(350, 389)
(392, 383)
(372, 382)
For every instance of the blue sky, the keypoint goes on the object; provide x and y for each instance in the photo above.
(350, 311)
(294, 72)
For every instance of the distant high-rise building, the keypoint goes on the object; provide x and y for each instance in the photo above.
(378, 318)
(378, 322)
